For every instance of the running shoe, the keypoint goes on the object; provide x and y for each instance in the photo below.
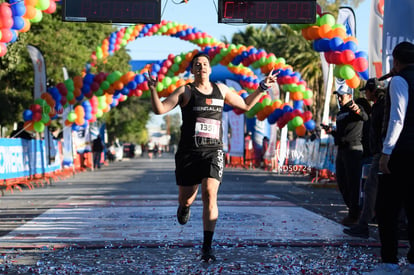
(183, 214)
(207, 255)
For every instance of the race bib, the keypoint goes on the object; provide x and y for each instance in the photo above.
(207, 128)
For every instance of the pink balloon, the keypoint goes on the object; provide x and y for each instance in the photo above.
(51, 8)
(5, 10)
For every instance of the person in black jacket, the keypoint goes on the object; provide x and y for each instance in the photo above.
(97, 148)
(375, 92)
(348, 136)
(395, 185)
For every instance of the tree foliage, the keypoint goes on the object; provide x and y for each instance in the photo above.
(64, 44)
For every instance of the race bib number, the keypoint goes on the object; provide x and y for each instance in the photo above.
(208, 128)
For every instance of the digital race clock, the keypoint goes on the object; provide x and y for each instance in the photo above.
(267, 11)
(113, 11)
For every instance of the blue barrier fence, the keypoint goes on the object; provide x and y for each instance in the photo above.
(23, 158)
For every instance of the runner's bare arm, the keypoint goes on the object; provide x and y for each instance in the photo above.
(235, 100)
(161, 107)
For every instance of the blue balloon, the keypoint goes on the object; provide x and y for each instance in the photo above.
(156, 68)
(18, 23)
(324, 44)
(287, 109)
(274, 116)
(361, 54)
(244, 95)
(132, 85)
(125, 91)
(27, 115)
(18, 8)
(335, 43)
(364, 74)
(298, 104)
(349, 45)
(75, 127)
(227, 107)
(139, 78)
(310, 125)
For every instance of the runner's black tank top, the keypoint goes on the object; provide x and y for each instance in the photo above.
(202, 117)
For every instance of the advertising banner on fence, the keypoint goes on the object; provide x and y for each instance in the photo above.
(398, 27)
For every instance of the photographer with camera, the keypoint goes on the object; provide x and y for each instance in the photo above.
(348, 135)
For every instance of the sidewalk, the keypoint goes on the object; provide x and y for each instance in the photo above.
(121, 220)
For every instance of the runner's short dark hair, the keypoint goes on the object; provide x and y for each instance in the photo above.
(197, 56)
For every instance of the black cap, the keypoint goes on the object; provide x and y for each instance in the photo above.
(342, 90)
(372, 84)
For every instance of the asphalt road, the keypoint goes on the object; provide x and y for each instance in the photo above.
(121, 220)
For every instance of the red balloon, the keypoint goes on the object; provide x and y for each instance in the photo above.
(6, 35)
(307, 115)
(360, 64)
(5, 10)
(347, 56)
(336, 57)
(37, 116)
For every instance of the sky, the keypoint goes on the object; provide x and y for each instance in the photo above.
(202, 14)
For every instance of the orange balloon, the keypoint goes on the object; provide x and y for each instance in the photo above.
(314, 32)
(353, 82)
(277, 104)
(118, 85)
(30, 12)
(324, 31)
(28, 126)
(30, 2)
(351, 38)
(26, 26)
(68, 123)
(300, 130)
(339, 32)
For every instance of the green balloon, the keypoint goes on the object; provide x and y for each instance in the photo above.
(290, 125)
(297, 121)
(347, 72)
(160, 87)
(38, 17)
(45, 118)
(39, 126)
(328, 19)
(72, 116)
(266, 102)
(307, 94)
(336, 71)
(42, 4)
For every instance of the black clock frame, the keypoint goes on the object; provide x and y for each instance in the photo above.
(267, 11)
(112, 11)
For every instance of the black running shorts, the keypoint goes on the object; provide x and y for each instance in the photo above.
(193, 166)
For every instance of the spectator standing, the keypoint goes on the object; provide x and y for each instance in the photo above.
(375, 92)
(20, 132)
(97, 148)
(348, 136)
(395, 187)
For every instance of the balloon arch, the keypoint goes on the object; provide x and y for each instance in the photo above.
(91, 95)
